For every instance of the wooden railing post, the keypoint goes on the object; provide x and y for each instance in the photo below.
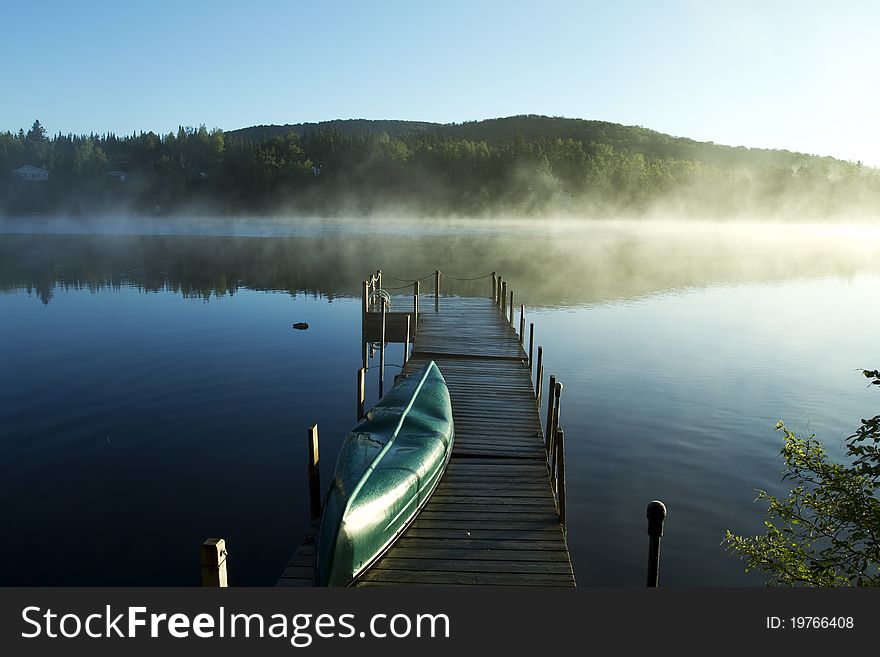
(510, 308)
(437, 290)
(522, 325)
(500, 288)
(360, 394)
(548, 426)
(556, 393)
(656, 515)
(531, 344)
(314, 475)
(406, 342)
(560, 474)
(503, 298)
(382, 352)
(539, 375)
(494, 287)
(214, 563)
(415, 327)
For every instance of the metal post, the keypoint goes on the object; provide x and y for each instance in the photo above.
(214, 563)
(511, 308)
(560, 474)
(406, 342)
(656, 516)
(539, 375)
(522, 325)
(360, 394)
(531, 344)
(382, 353)
(437, 290)
(314, 475)
(379, 278)
(548, 426)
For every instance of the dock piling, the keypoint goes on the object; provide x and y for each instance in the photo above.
(503, 298)
(539, 375)
(531, 344)
(548, 426)
(522, 324)
(656, 513)
(382, 352)
(415, 326)
(560, 474)
(214, 554)
(494, 287)
(406, 342)
(556, 393)
(314, 475)
(360, 394)
(511, 308)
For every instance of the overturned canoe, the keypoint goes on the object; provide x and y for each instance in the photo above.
(387, 469)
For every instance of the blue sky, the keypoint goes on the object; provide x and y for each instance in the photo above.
(797, 75)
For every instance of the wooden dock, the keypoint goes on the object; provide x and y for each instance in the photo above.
(497, 516)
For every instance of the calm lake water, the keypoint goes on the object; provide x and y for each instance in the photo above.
(154, 394)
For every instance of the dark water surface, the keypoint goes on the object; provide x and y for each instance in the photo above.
(153, 393)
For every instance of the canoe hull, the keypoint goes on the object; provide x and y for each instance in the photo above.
(388, 466)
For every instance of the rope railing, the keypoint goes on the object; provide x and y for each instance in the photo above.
(432, 274)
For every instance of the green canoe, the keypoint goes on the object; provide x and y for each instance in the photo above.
(387, 469)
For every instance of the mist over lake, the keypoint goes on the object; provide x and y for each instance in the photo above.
(154, 393)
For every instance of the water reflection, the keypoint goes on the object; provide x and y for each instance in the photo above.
(550, 265)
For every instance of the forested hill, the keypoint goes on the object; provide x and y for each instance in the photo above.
(351, 127)
(523, 165)
(532, 127)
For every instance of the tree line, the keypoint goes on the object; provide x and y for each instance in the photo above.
(522, 165)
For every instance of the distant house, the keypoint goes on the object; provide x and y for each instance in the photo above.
(121, 176)
(31, 173)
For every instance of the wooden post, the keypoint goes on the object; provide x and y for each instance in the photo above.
(531, 344)
(522, 325)
(656, 516)
(539, 375)
(556, 393)
(382, 354)
(548, 426)
(437, 290)
(214, 563)
(500, 287)
(406, 342)
(360, 394)
(494, 287)
(365, 307)
(415, 326)
(503, 298)
(511, 308)
(314, 475)
(560, 474)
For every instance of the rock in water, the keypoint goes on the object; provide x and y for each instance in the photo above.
(301, 326)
